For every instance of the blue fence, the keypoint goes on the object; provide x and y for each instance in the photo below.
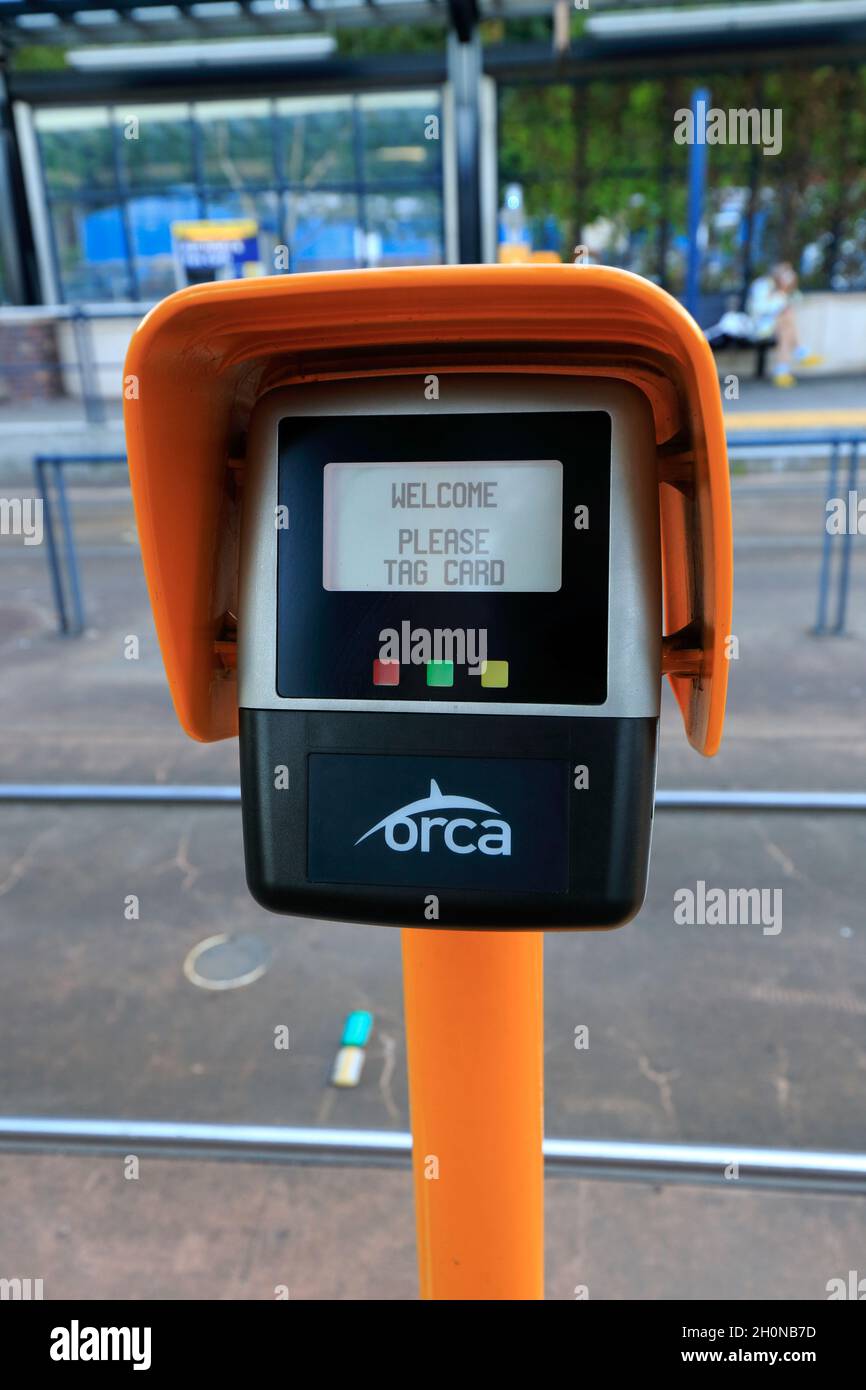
(63, 559)
(838, 443)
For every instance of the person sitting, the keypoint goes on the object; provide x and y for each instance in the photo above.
(769, 321)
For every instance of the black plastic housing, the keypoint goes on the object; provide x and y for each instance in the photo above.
(572, 798)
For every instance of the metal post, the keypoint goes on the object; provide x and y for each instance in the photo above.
(17, 246)
(697, 182)
(94, 406)
(51, 543)
(360, 182)
(464, 74)
(755, 172)
(845, 564)
(69, 548)
(820, 627)
(474, 1033)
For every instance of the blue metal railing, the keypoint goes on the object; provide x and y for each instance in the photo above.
(67, 593)
(837, 441)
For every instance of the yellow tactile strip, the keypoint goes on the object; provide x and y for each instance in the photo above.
(793, 419)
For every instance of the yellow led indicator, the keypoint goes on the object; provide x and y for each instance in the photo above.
(494, 674)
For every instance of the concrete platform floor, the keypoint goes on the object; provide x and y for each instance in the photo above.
(239, 1231)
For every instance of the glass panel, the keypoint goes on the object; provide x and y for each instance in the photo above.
(323, 231)
(237, 142)
(150, 220)
(76, 148)
(91, 250)
(156, 146)
(396, 129)
(318, 140)
(404, 228)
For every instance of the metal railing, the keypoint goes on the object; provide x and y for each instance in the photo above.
(721, 1165)
(137, 793)
(63, 565)
(837, 442)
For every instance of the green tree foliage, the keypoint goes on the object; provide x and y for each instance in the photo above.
(601, 159)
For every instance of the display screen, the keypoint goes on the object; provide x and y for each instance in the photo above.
(379, 515)
(443, 526)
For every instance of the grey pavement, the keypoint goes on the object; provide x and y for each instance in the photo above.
(814, 391)
(187, 1230)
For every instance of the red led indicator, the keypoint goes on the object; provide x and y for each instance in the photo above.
(386, 672)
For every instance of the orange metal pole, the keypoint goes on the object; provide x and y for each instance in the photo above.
(474, 1030)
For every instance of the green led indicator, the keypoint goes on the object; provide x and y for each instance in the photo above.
(440, 673)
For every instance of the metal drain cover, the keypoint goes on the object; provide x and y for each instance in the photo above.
(226, 962)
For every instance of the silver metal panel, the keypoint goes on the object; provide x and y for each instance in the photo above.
(634, 610)
(450, 191)
(489, 169)
(37, 201)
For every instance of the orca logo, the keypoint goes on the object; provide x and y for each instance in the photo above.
(403, 833)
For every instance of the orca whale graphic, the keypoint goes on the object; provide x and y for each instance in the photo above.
(436, 801)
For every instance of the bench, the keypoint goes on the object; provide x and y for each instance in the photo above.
(760, 346)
